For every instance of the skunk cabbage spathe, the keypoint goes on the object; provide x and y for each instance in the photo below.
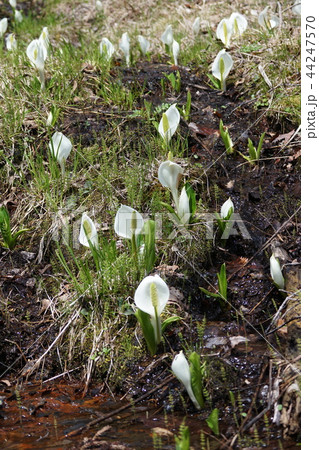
(227, 209)
(125, 47)
(3, 26)
(275, 272)
(268, 21)
(169, 123)
(37, 54)
(128, 222)
(144, 44)
(88, 233)
(106, 49)
(182, 371)
(151, 297)
(221, 67)
(224, 31)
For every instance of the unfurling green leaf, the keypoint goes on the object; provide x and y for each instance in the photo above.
(9, 239)
(222, 281)
(149, 252)
(212, 421)
(196, 377)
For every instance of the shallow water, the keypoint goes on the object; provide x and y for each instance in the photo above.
(39, 417)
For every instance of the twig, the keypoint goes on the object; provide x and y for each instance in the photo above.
(61, 375)
(19, 348)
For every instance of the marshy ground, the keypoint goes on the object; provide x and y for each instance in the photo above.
(69, 341)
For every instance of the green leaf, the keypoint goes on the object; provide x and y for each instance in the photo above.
(9, 240)
(251, 150)
(196, 377)
(224, 133)
(222, 281)
(182, 441)
(216, 83)
(15, 237)
(192, 199)
(148, 330)
(212, 421)
(210, 294)
(221, 223)
(232, 399)
(260, 144)
(5, 227)
(167, 49)
(221, 129)
(188, 106)
(169, 320)
(169, 208)
(149, 252)
(248, 158)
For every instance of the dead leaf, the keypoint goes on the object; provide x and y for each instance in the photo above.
(295, 156)
(230, 184)
(284, 137)
(236, 340)
(263, 74)
(162, 431)
(204, 131)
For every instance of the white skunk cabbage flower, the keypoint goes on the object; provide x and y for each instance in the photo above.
(226, 207)
(275, 272)
(169, 175)
(169, 123)
(224, 31)
(60, 147)
(151, 296)
(175, 51)
(296, 9)
(221, 67)
(99, 5)
(44, 37)
(181, 370)
(128, 222)
(88, 232)
(125, 47)
(37, 53)
(144, 44)
(183, 207)
(18, 16)
(239, 23)
(11, 43)
(3, 26)
(49, 119)
(106, 48)
(266, 21)
(196, 26)
(167, 36)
